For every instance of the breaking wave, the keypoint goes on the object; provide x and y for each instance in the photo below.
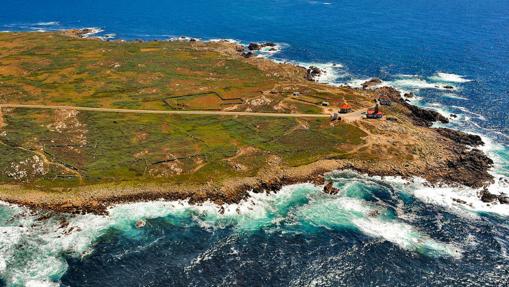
(449, 78)
(34, 247)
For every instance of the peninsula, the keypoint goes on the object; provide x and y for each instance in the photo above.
(85, 123)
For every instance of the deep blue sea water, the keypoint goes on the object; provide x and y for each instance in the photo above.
(376, 233)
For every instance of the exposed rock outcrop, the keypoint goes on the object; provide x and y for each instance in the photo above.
(259, 46)
(461, 137)
(420, 116)
(248, 54)
(313, 72)
(424, 117)
(371, 83)
(471, 166)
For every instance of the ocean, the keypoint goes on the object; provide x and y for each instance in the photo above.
(377, 232)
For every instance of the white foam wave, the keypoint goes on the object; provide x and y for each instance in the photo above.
(462, 200)
(414, 84)
(454, 96)
(331, 72)
(369, 219)
(51, 23)
(93, 31)
(467, 111)
(44, 242)
(448, 78)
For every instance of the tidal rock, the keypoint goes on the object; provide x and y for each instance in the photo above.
(409, 95)
(371, 83)
(453, 116)
(487, 196)
(254, 46)
(461, 137)
(503, 198)
(459, 200)
(140, 224)
(449, 87)
(330, 189)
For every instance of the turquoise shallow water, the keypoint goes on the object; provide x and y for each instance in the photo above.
(376, 232)
(297, 236)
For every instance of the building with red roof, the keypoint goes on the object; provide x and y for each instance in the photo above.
(345, 108)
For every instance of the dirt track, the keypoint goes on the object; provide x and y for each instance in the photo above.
(213, 113)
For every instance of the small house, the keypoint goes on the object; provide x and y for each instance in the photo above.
(345, 108)
(372, 114)
(384, 101)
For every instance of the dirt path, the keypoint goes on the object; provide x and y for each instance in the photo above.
(213, 113)
(353, 116)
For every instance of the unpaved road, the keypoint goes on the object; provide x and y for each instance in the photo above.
(212, 113)
(353, 116)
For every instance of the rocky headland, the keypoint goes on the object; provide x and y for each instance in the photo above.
(407, 146)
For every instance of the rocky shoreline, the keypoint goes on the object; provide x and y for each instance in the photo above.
(467, 166)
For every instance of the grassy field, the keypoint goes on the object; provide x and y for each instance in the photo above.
(55, 149)
(51, 68)
(89, 147)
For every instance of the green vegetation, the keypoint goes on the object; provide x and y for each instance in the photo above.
(108, 147)
(54, 149)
